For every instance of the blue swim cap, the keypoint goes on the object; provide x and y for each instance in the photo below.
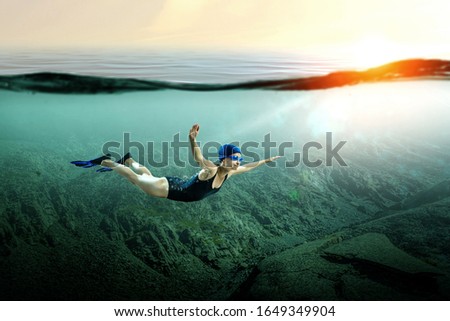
(227, 150)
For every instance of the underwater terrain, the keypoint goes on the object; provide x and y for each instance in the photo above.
(373, 227)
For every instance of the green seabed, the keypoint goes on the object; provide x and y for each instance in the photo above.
(377, 229)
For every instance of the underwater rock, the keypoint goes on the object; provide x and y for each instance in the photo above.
(295, 274)
(185, 236)
(376, 249)
(434, 194)
(93, 237)
(367, 267)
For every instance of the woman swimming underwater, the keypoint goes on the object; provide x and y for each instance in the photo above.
(205, 183)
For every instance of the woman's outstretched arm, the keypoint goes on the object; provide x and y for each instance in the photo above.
(196, 151)
(248, 167)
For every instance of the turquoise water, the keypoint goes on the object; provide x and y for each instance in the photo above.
(71, 233)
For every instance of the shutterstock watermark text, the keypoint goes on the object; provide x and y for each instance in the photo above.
(175, 152)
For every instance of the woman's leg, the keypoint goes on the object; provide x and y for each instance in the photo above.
(138, 168)
(154, 186)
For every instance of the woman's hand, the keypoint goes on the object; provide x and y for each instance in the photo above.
(194, 132)
(271, 159)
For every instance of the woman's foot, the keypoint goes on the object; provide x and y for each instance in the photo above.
(99, 160)
(124, 159)
(108, 163)
(92, 162)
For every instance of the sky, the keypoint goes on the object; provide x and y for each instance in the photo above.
(387, 27)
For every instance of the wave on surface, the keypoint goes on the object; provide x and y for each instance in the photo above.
(63, 83)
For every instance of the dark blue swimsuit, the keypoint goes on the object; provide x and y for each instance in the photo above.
(192, 189)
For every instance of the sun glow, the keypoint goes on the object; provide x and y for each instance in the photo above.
(375, 51)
